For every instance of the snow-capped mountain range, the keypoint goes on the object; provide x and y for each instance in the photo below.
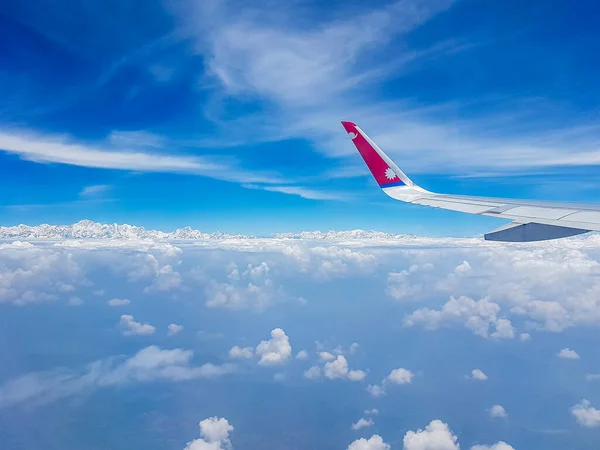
(87, 229)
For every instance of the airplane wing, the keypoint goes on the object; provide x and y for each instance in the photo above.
(531, 220)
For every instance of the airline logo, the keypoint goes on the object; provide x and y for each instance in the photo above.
(381, 171)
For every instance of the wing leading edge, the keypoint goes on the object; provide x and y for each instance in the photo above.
(531, 220)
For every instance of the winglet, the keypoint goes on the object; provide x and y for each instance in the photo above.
(386, 173)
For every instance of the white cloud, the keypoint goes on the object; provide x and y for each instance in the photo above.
(477, 374)
(269, 56)
(30, 274)
(567, 353)
(375, 442)
(592, 377)
(173, 329)
(272, 60)
(135, 328)
(501, 445)
(362, 423)
(400, 285)
(94, 190)
(498, 411)
(313, 373)
(463, 268)
(36, 147)
(586, 414)
(326, 356)
(400, 376)
(376, 390)
(356, 375)
(166, 279)
(149, 364)
(302, 354)
(276, 350)
(479, 316)
(525, 337)
(238, 352)
(338, 368)
(75, 301)
(118, 302)
(371, 412)
(307, 193)
(251, 288)
(436, 436)
(214, 435)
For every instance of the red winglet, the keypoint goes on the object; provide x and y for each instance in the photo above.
(381, 171)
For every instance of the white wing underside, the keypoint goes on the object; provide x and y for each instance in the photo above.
(544, 220)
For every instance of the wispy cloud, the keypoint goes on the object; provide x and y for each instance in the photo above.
(270, 60)
(60, 149)
(149, 364)
(307, 193)
(95, 190)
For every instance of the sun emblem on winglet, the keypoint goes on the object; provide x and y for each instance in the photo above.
(390, 174)
(353, 135)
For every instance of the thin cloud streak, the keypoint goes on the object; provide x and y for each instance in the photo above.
(270, 58)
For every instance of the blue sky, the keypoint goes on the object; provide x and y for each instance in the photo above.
(225, 115)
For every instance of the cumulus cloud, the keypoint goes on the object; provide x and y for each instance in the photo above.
(567, 353)
(30, 274)
(135, 328)
(302, 354)
(166, 279)
(396, 376)
(525, 337)
(371, 412)
(327, 262)
(376, 390)
(214, 435)
(238, 352)
(313, 373)
(480, 316)
(498, 412)
(375, 442)
(436, 436)
(250, 288)
(586, 414)
(356, 375)
(477, 374)
(338, 368)
(400, 376)
(326, 356)
(173, 329)
(362, 423)
(276, 350)
(149, 364)
(118, 302)
(401, 286)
